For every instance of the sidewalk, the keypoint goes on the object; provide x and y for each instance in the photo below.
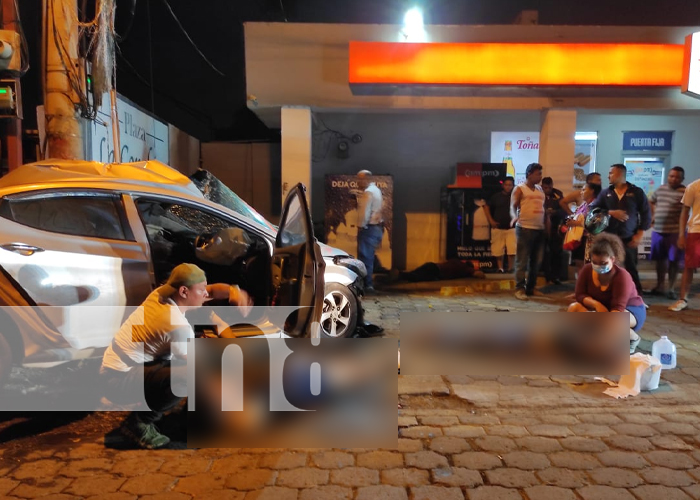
(460, 437)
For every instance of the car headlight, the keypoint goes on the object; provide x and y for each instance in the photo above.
(351, 263)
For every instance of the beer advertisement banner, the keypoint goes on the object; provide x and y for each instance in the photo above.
(341, 214)
(468, 228)
(517, 150)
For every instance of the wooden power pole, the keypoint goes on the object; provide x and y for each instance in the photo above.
(62, 80)
(13, 136)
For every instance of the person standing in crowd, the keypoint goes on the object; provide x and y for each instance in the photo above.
(689, 242)
(528, 216)
(370, 225)
(604, 286)
(143, 354)
(666, 210)
(554, 243)
(502, 232)
(574, 197)
(630, 215)
(589, 193)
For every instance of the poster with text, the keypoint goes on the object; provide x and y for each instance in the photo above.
(468, 229)
(341, 215)
(584, 160)
(517, 150)
(648, 174)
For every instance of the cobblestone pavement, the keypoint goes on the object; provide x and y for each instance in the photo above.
(459, 437)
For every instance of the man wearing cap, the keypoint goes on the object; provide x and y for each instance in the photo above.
(140, 353)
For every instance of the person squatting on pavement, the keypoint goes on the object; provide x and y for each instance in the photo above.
(666, 209)
(502, 232)
(160, 325)
(630, 215)
(528, 215)
(370, 225)
(689, 242)
(605, 286)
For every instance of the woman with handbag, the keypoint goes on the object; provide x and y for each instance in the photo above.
(581, 252)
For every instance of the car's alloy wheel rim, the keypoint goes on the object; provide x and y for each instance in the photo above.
(336, 314)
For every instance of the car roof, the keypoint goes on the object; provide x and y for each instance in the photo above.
(150, 176)
(56, 173)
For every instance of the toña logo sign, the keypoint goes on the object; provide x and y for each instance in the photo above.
(691, 66)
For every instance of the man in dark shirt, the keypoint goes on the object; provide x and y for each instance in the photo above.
(502, 232)
(553, 250)
(630, 215)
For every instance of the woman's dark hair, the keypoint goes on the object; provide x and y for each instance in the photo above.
(608, 245)
(596, 188)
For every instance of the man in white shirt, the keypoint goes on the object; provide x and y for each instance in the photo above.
(527, 208)
(141, 352)
(689, 242)
(370, 225)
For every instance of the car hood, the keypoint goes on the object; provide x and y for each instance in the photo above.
(331, 252)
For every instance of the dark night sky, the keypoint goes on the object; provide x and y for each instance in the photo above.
(178, 86)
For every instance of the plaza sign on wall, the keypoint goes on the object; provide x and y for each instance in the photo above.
(691, 66)
(142, 137)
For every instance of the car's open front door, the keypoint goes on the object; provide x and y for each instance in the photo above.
(297, 267)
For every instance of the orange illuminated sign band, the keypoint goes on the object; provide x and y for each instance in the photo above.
(547, 64)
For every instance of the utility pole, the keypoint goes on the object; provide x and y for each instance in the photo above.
(13, 136)
(62, 81)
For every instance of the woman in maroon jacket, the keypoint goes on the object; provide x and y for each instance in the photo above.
(604, 286)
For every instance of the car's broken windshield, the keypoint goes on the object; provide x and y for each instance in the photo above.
(215, 190)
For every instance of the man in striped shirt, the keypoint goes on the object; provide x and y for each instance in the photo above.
(666, 209)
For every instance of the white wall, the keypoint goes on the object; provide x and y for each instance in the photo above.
(184, 151)
(420, 149)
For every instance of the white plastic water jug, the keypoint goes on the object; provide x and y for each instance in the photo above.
(665, 351)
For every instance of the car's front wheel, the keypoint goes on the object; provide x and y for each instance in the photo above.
(339, 317)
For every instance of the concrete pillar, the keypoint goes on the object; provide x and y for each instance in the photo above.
(557, 131)
(296, 149)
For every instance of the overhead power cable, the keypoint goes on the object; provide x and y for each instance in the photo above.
(194, 45)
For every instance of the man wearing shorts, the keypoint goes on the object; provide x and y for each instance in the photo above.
(502, 233)
(690, 242)
(666, 209)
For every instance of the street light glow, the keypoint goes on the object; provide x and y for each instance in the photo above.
(413, 29)
(413, 20)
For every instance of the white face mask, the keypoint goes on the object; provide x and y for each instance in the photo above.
(605, 269)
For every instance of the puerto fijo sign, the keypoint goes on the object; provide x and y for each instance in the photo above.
(691, 66)
(141, 136)
(647, 141)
